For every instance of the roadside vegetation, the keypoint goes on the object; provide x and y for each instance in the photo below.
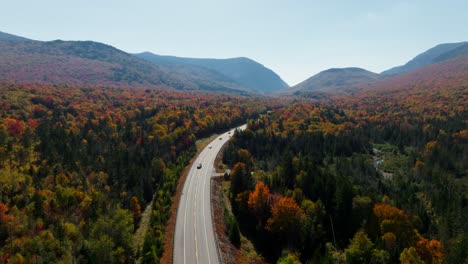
(77, 165)
(379, 177)
(348, 181)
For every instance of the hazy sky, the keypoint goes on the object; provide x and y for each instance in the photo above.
(295, 38)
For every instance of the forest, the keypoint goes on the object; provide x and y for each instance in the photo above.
(375, 178)
(78, 166)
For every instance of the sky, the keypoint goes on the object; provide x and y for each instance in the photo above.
(296, 39)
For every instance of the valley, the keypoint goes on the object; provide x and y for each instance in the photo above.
(348, 166)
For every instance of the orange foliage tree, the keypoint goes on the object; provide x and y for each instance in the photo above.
(286, 219)
(259, 201)
(135, 207)
(395, 221)
(431, 251)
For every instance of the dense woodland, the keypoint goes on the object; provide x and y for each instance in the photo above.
(380, 177)
(78, 166)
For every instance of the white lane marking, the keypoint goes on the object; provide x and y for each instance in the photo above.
(192, 177)
(195, 217)
(203, 212)
(185, 213)
(212, 158)
(218, 143)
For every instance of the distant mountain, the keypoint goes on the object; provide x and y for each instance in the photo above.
(10, 37)
(74, 63)
(92, 63)
(459, 51)
(335, 79)
(448, 74)
(243, 71)
(436, 54)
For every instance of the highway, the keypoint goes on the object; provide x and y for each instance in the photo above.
(194, 240)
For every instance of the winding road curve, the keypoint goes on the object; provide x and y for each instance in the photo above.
(194, 240)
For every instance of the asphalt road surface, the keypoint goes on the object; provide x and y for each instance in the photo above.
(194, 240)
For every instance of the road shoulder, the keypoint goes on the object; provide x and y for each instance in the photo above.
(169, 234)
(229, 254)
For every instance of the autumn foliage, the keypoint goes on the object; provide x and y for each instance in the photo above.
(260, 200)
(286, 217)
(431, 251)
(395, 221)
(78, 164)
(336, 156)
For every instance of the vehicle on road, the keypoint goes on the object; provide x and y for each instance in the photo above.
(194, 236)
(220, 138)
(209, 147)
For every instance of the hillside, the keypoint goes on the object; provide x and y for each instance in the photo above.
(362, 161)
(92, 63)
(436, 54)
(335, 79)
(442, 66)
(96, 64)
(10, 37)
(114, 149)
(448, 74)
(73, 63)
(243, 71)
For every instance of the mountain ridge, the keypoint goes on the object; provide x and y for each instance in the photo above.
(242, 70)
(444, 74)
(93, 63)
(349, 80)
(334, 79)
(433, 55)
(11, 37)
